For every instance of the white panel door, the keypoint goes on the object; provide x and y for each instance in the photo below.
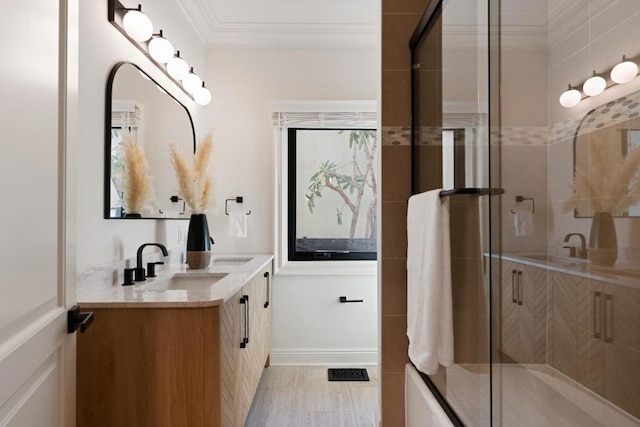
(38, 85)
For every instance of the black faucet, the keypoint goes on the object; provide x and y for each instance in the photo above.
(582, 252)
(139, 270)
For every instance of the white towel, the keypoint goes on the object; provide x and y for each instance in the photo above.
(237, 224)
(523, 221)
(429, 302)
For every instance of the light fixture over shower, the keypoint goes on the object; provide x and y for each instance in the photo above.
(622, 73)
(138, 29)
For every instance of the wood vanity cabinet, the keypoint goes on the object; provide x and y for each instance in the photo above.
(173, 367)
(596, 337)
(523, 307)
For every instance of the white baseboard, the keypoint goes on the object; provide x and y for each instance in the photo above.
(324, 356)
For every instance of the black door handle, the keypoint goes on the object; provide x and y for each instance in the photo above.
(344, 299)
(75, 318)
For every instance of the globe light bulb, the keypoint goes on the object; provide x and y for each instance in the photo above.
(191, 82)
(624, 72)
(570, 98)
(137, 25)
(160, 49)
(594, 86)
(177, 67)
(202, 95)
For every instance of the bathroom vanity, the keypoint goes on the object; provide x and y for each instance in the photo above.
(184, 349)
(580, 319)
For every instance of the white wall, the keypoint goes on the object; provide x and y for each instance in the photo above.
(309, 325)
(101, 46)
(244, 83)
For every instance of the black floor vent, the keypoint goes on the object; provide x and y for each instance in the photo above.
(348, 374)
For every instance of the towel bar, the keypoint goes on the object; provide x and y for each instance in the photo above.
(472, 191)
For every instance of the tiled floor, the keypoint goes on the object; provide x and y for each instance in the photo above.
(302, 396)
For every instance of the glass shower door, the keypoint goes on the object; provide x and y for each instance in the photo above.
(566, 310)
(450, 150)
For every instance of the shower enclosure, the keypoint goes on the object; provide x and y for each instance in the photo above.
(545, 259)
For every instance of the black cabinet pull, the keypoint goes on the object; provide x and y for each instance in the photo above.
(266, 302)
(513, 286)
(607, 316)
(246, 340)
(597, 314)
(75, 318)
(519, 287)
(345, 300)
(243, 342)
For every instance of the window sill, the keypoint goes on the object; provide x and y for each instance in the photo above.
(328, 268)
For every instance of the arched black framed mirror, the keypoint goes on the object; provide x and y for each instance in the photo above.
(137, 104)
(605, 176)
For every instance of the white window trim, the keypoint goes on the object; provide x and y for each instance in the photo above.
(314, 114)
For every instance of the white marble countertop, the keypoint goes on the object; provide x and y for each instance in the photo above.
(236, 274)
(624, 275)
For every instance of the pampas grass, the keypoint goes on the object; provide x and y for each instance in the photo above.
(606, 183)
(194, 182)
(138, 193)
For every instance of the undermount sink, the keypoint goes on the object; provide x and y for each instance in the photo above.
(231, 260)
(188, 282)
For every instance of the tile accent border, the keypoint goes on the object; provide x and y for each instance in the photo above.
(432, 135)
(396, 135)
(610, 114)
(519, 136)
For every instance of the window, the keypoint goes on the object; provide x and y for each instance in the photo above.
(332, 194)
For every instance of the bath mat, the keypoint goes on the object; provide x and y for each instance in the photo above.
(348, 374)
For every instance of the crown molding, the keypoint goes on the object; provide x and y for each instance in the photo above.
(261, 26)
(530, 36)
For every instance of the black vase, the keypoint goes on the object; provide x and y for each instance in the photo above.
(198, 242)
(603, 244)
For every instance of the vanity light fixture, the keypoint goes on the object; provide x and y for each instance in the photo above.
(177, 67)
(191, 82)
(594, 85)
(622, 73)
(160, 48)
(570, 97)
(625, 71)
(138, 29)
(137, 25)
(202, 95)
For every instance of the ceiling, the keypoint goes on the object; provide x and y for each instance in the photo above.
(284, 23)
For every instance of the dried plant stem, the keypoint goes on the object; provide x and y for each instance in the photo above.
(194, 181)
(138, 191)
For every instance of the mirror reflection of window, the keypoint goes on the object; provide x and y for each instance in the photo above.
(454, 169)
(126, 116)
(117, 167)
